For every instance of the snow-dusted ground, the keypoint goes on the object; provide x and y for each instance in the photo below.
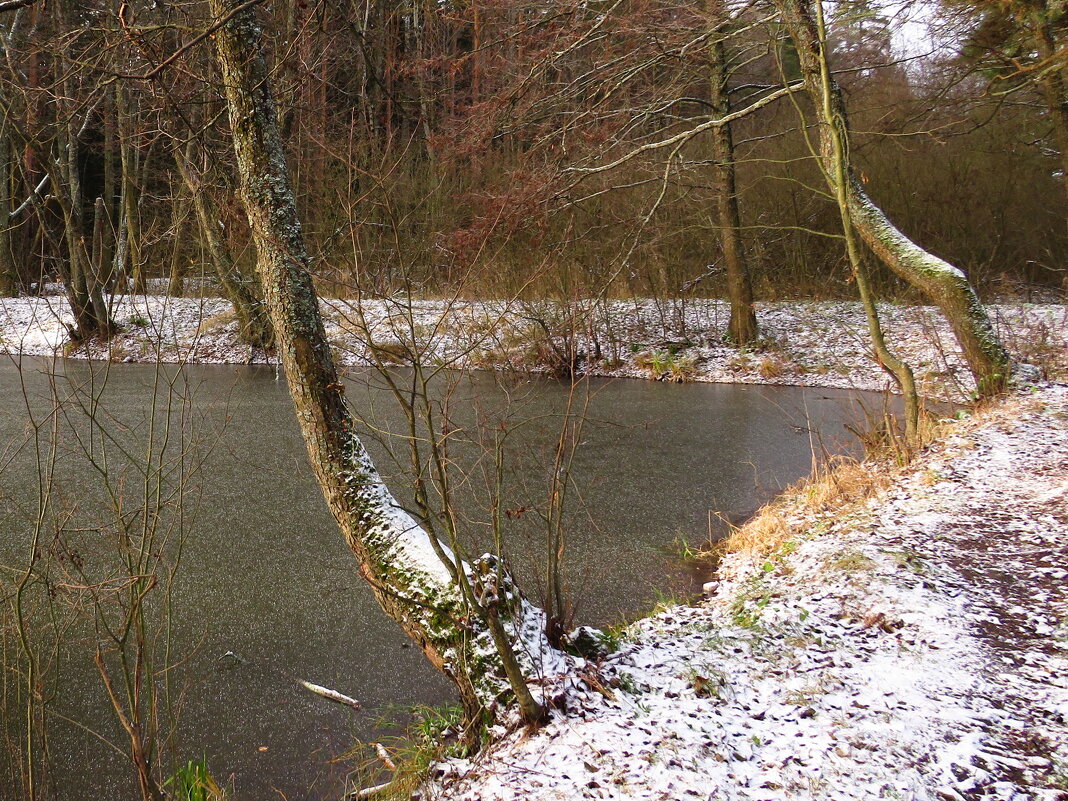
(914, 647)
(806, 343)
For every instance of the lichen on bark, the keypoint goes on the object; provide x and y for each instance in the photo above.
(490, 645)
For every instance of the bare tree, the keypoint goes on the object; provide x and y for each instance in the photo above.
(470, 620)
(743, 324)
(243, 291)
(895, 366)
(943, 283)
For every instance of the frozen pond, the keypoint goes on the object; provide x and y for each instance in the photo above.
(264, 573)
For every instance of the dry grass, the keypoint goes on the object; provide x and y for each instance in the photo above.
(770, 367)
(217, 322)
(664, 365)
(834, 490)
(844, 484)
(764, 533)
(388, 352)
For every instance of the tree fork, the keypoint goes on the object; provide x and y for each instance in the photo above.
(898, 369)
(943, 283)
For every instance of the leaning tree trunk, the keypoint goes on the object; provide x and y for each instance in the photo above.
(743, 325)
(470, 621)
(243, 291)
(943, 283)
(898, 369)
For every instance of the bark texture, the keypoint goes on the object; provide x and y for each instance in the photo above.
(417, 582)
(130, 219)
(743, 324)
(888, 360)
(944, 284)
(8, 274)
(243, 291)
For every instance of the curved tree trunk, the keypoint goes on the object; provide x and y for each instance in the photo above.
(898, 369)
(470, 621)
(943, 283)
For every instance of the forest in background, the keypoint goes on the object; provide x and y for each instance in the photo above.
(395, 153)
(463, 146)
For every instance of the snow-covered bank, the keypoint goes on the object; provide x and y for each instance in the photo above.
(914, 646)
(805, 343)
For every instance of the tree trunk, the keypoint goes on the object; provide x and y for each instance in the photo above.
(97, 258)
(243, 291)
(8, 274)
(130, 237)
(900, 371)
(91, 316)
(943, 283)
(487, 647)
(179, 213)
(743, 325)
(111, 167)
(1053, 88)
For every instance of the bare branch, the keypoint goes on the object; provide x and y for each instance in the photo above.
(683, 137)
(156, 70)
(12, 5)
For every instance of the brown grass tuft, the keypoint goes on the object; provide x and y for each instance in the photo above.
(217, 322)
(766, 532)
(770, 367)
(843, 484)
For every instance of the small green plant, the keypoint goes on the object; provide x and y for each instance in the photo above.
(685, 551)
(787, 548)
(750, 603)
(193, 782)
(664, 365)
(746, 610)
(433, 723)
(852, 562)
(612, 638)
(138, 321)
(909, 561)
(664, 601)
(435, 733)
(627, 684)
